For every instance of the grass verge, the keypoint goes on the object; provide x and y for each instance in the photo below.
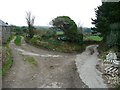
(92, 38)
(7, 60)
(30, 60)
(18, 40)
(56, 45)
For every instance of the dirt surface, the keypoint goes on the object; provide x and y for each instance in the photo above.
(86, 65)
(0, 65)
(53, 69)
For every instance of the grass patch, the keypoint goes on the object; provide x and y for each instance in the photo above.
(8, 60)
(18, 40)
(30, 60)
(92, 38)
(59, 32)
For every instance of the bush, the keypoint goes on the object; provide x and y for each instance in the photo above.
(56, 45)
(79, 39)
(34, 39)
(48, 35)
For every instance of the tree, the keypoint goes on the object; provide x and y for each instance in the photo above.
(30, 21)
(68, 26)
(106, 14)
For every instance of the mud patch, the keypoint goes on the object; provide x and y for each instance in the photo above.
(23, 52)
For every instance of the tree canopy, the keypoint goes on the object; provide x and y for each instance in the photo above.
(106, 15)
(69, 27)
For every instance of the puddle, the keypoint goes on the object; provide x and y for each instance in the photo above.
(23, 52)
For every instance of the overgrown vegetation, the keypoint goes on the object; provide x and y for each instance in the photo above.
(107, 23)
(18, 40)
(63, 36)
(7, 59)
(30, 60)
(55, 45)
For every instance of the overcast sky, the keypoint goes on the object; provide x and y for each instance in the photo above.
(14, 11)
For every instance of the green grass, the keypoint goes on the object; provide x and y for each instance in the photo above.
(30, 60)
(18, 40)
(7, 54)
(8, 61)
(0, 73)
(59, 33)
(92, 38)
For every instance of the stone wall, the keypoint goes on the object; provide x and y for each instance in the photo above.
(0, 35)
(5, 33)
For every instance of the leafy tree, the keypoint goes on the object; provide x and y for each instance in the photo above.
(30, 21)
(68, 26)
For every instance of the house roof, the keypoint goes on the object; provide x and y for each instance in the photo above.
(3, 23)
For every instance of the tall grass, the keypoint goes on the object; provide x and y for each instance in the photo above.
(8, 60)
(18, 40)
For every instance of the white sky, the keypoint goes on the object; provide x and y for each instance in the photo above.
(14, 11)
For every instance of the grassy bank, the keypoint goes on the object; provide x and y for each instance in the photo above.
(56, 45)
(18, 40)
(7, 59)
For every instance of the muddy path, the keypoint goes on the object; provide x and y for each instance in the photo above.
(53, 69)
(86, 65)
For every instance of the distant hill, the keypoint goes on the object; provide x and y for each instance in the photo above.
(42, 27)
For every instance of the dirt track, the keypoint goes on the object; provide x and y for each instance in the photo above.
(86, 65)
(54, 70)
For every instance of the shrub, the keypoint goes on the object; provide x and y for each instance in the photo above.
(34, 39)
(49, 34)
